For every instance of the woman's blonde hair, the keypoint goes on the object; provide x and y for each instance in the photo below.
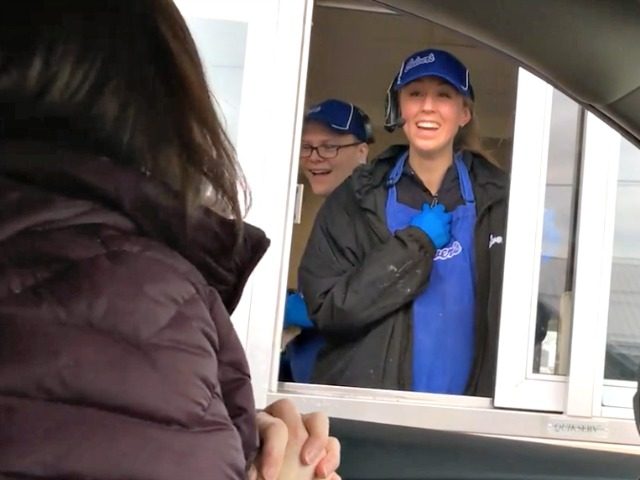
(468, 137)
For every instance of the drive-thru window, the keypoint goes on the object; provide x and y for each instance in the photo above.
(572, 265)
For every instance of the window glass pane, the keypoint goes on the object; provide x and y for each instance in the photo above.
(623, 337)
(222, 45)
(364, 83)
(553, 329)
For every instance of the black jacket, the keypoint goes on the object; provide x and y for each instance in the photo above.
(359, 281)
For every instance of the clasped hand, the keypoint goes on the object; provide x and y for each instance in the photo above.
(294, 446)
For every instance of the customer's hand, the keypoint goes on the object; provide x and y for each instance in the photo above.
(435, 222)
(294, 446)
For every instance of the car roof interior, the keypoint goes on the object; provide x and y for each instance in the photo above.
(587, 49)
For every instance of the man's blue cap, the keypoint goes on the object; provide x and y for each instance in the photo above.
(435, 63)
(342, 117)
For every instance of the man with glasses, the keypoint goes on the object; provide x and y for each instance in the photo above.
(335, 140)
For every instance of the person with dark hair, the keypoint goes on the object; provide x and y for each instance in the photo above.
(123, 253)
(402, 274)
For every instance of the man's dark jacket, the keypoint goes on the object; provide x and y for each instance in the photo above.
(118, 359)
(359, 281)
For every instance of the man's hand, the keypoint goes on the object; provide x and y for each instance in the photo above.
(294, 446)
(288, 334)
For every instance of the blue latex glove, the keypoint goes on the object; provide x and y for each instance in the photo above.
(295, 312)
(435, 222)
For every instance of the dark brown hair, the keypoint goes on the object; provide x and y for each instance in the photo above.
(122, 77)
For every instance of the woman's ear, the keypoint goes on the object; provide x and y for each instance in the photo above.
(466, 115)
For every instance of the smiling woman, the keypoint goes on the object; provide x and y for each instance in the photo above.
(392, 259)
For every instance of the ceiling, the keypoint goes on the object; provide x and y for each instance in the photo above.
(588, 49)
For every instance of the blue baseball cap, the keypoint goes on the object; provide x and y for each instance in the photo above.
(342, 117)
(435, 63)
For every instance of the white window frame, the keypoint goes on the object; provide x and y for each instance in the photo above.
(593, 268)
(583, 392)
(617, 395)
(479, 415)
(275, 62)
(611, 398)
(268, 151)
(516, 386)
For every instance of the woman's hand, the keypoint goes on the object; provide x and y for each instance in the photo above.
(294, 446)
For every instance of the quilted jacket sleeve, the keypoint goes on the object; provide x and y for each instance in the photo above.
(235, 381)
(123, 364)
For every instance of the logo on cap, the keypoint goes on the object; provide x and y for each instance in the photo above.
(437, 63)
(417, 61)
(343, 117)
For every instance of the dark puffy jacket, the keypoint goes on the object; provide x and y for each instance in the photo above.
(118, 359)
(359, 281)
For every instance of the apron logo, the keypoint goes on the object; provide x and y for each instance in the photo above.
(448, 252)
(494, 239)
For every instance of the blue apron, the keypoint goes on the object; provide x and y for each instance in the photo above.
(444, 313)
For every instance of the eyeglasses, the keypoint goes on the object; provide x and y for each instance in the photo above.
(325, 151)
